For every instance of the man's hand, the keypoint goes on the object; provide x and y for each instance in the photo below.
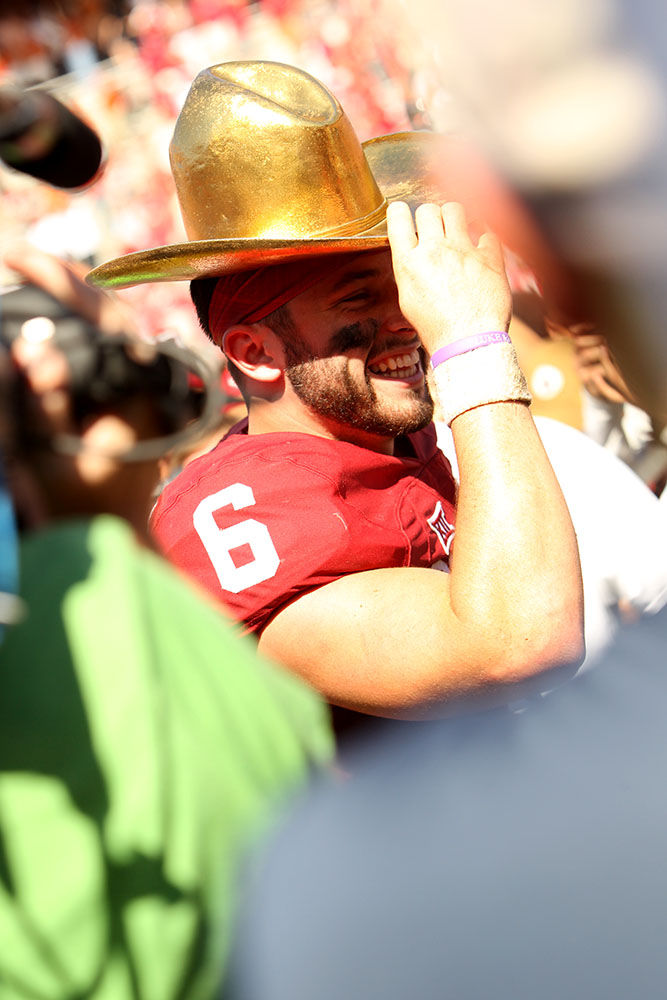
(448, 287)
(598, 372)
(65, 282)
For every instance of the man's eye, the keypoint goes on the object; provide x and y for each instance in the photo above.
(360, 296)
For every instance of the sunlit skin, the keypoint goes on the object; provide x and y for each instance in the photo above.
(511, 606)
(354, 362)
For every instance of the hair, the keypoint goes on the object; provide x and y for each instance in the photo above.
(280, 321)
(201, 293)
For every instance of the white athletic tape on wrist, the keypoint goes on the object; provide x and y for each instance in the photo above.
(490, 374)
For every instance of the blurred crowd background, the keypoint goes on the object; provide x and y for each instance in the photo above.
(126, 67)
(558, 99)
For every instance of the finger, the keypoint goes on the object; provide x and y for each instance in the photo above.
(42, 269)
(429, 222)
(46, 374)
(492, 248)
(44, 367)
(580, 329)
(592, 355)
(400, 227)
(613, 395)
(603, 390)
(455, 223)
(592, 379)
(588, 340)
(61, 280)
(55, 406)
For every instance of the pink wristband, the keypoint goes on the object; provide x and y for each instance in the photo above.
(466, 344)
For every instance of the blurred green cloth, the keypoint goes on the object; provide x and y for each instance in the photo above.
(143, 745)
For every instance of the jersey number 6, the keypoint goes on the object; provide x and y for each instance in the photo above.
(219, 542)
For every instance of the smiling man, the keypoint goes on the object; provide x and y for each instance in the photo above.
(352, 363)
(326, 522)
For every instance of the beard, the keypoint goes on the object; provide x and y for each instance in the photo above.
(328, 386)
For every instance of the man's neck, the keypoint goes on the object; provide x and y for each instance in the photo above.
(264, 419)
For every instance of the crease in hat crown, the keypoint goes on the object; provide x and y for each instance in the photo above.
(268, 168)
(262, 150)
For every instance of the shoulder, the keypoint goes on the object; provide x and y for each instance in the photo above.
(262, 519)
(288, 463)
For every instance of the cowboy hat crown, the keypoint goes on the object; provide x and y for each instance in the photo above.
(268, 168)
(274, 156)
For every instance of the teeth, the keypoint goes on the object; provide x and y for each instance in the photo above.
(405, 372)
(399, 373)
(399, 366)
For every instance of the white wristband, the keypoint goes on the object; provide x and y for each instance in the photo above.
(476, 378)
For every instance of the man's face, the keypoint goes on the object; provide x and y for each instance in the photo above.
(352, 357)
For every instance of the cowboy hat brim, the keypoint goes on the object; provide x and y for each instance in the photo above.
(210, 258)
(407, 166)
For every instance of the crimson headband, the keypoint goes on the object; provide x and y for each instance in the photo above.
(249, 296)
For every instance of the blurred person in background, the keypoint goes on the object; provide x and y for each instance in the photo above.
(580, 134)
(327, 528)
(143, 744)
(506, 855)
(43, 39)
(611, 414)
(56, 287)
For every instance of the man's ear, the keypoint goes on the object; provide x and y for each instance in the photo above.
(256, 351)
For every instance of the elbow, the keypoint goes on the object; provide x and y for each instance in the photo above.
(565, 656)
(547, 650)
(563, 647)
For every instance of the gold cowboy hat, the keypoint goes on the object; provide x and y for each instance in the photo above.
(268, 168)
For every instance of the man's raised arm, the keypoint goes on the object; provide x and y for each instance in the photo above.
(391, 641)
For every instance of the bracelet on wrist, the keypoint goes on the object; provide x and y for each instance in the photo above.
(466, 344)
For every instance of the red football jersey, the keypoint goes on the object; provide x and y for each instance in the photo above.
(264, 518)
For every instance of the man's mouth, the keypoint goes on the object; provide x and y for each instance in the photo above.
(401, 366)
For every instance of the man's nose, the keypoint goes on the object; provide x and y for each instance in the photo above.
(396, 324)
(393, 319)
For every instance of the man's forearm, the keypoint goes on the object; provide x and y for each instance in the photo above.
(515, 560)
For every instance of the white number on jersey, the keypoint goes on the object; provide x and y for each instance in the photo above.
(219, 542)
